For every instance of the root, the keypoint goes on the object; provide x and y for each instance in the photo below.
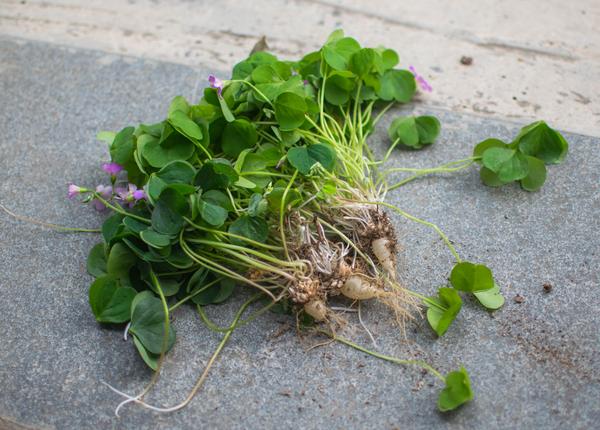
(317, 309)
(357, 288)
(384, 249)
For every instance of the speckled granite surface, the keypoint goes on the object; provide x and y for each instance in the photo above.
(533, 365)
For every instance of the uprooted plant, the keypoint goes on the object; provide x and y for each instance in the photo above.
(269, 182)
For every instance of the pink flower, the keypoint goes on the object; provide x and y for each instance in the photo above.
(74, 190)
(112, 168)
(420, 80)
(215, 83)
(130, 195)
(106, 192)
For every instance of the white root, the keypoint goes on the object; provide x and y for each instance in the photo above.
(317, 309)
(357, 288)
(381, 249)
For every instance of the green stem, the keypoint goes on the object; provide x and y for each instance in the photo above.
(282, 215)
(121, 210)
(421, 172)
(195, 293)
(211, 325)
(389, 358)
(420, 221)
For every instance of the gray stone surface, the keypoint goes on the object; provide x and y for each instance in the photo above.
(533, 364)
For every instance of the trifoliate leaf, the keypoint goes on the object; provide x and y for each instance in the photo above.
(444, 309)
(471, 277)
(457, 391)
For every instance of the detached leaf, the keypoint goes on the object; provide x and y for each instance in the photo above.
(481, 147)
(536, 175)
(471, 277)
(110, 303)
(448, 306)
(415, 132)
(457, 391)
(509, 164)
(543, 142)
(492, 298)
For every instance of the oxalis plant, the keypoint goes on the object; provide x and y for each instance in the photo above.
(268, 182)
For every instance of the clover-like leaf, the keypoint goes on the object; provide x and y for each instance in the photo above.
(121, 149)
(509, 164)
(252, 227)
(213, 214)
(471, 277)
(541, 141)
(148, 324)
(237, 136)
(96, 261)
(415, 132)
(398, 85)
(492, 298)
(110, 302)
(536, 175)
(155, 239)
(120, 259)
(290, 109)
(217, 173)
(217, 293)
(442, 310)
(304, 158)
(457, 391)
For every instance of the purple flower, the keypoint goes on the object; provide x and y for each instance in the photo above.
(420, 80)
(216, 83)
(130, 195)
(112, 168)
(74, 190)
(106, 192)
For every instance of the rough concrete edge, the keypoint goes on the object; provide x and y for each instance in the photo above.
(412, 104)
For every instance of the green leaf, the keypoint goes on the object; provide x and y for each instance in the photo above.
(217, 173)
(150, 359)
(110, 303)
(361, 62)
(216, 293)
(509, 164)
(543, 142)
(134, 225)
(492, 298)
(471, 277)
(111, 227)
(213, 214)
(237, 136)
(337, 89)
(448, 306)
(154, 239)
(185, 125)
(167, 216)
(457, 391)
(290, 109)
(536, 175)
(120, 260)
(490, 178)
(148, 324)
(398, 85)
(96, 261)
(225, 109)
(390, 58)
(122, 146)
(481, 147)
(428, 128)
(254, 228)
(304, 158)
(172, 146)
(338, 53)
(405, 129)
(177, 172)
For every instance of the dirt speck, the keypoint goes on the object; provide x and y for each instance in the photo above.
(547, 287)
(519, 299)
(466, 61)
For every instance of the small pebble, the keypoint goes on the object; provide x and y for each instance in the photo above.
(466, 61)
(519, 298)
(547, 287)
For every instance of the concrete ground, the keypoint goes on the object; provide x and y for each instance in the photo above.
(69, 69)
